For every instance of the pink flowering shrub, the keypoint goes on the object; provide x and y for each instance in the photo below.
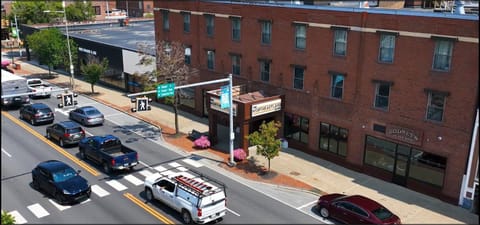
(202, 142)
(239, 154)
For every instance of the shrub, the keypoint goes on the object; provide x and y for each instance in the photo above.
(202, 142)
(239, 154)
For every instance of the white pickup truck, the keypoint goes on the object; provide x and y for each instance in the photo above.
(39, 88)
(199, 199)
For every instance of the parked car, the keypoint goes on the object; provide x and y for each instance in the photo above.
(61, 181)
(355, 209)
(65, 132)
(87, 115)
(37, 113)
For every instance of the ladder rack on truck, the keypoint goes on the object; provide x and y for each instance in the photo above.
(196, 187)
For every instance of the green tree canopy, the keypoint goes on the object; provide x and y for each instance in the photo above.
(268, 145)
(93, 70)
(80, 11)
(32, 12)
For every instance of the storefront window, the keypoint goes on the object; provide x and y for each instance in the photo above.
(333, 139)
(380, 153)
(187, 97)
(427, 167)
(296, 127)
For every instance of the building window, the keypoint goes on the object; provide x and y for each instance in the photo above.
(443, 55)
(266, 32)
(422, 166)
(97, 10)
(265, 70)
(187, 97)
(300, 36)
(210, 24)
(296, 127)
(211, 60)
(435, 106)
(333, 139)
(340, 42)
(186, 22)
(188, 55)
(236, 28)
(298, 74)
(387, 48)
(166, 21)
(382, 94)
(236, 64)
(337, 86)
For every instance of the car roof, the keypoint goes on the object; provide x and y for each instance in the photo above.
(363, 202)
(69, 124)
(53, 165)
(39, 105)
(87, 107)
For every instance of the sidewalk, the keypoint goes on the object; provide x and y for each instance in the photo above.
(291, 168)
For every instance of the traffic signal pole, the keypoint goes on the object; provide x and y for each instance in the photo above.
(230, 99)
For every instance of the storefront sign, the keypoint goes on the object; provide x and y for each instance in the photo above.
(266, 107)
(404, 134)
(215, 104)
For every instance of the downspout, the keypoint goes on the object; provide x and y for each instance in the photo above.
(466, 178)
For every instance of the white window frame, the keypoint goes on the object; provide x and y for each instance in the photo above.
(340, 39)
(442, 56)
(300, 36)
(386, 52)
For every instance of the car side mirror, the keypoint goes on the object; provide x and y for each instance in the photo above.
(78, 171)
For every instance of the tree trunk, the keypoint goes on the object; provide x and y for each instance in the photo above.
(49, 71)
(175, 109)
(91, 85)
(268, 166)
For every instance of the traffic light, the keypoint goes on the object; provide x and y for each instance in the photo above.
(141, 104)
(67, 100)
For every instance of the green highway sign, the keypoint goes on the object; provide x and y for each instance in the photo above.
(165, 90)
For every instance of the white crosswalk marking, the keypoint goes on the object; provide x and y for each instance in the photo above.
(134, 180)
(59, 207)
(117, 185)
(160, 168)
(167, 172)
(181, 168)
(19, 219)
(99, 191)
(174, 164)
(38, 210)
(146, 173)
(192, 162)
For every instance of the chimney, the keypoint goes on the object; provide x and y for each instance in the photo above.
(459, 7)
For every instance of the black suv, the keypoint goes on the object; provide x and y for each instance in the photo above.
(37, 113)
(65, 132)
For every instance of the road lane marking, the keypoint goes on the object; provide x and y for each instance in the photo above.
(234, 213)
(174, 164)
(59, 207)
(62, 151)
(182, 169)
(145, 173)
(88, 200)
(19, 219)
(160, 168)
(100, 192)
(117, 185)
(305, 205)
(134, 180)
(6, 153)
(148, 208)
(192, 162)
(144, 164)
(38, 210)
(167, 173)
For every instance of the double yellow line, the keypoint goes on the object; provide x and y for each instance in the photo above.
(88, 168)
(148, 208)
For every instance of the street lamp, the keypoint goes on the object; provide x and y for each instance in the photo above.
(72, 78)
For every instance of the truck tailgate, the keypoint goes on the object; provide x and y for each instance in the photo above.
(125, 160)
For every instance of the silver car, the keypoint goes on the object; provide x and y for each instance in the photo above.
(87, 115)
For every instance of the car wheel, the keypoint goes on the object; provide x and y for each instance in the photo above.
(21, 116)
(62, 144)
(49, 136)
(324, 212)
(35, 184)
(187, 219)
(32, 121)
(148, 194)
(82, 154)
(106, 168)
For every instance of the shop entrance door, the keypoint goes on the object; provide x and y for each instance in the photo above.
(400, 170)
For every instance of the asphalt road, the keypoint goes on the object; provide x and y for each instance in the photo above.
(119, 197)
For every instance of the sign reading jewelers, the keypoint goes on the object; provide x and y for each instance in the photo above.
(266, 107)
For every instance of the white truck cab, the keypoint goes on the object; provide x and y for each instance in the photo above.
(199, 199)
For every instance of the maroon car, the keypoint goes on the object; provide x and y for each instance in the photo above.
(355, 209)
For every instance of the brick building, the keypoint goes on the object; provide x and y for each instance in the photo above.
(389, 92)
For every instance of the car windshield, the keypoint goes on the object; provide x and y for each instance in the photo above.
(92, 112)
(74, 130)
(64, 174)
(382, 213)
(45, 110)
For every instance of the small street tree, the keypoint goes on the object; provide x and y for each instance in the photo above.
(93, 70)
(170, 67)
(268, 145)
(7, 218)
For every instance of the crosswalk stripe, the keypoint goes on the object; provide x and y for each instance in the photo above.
(99, 191)
(59, 207)
(181, 168)
(145, 173)
(160, 168)
(19, 219)
(192, 162)
(117, 185)
(38, 210)
(134, 180)
(174, 164)
(167, 172)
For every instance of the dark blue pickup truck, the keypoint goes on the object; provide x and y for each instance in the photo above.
(109, 152)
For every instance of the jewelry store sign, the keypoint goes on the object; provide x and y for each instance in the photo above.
(266, 107)
(404, 134)
(215, 104)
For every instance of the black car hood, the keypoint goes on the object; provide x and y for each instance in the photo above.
(74, 185)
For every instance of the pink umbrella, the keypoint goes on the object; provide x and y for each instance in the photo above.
(6, 62)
